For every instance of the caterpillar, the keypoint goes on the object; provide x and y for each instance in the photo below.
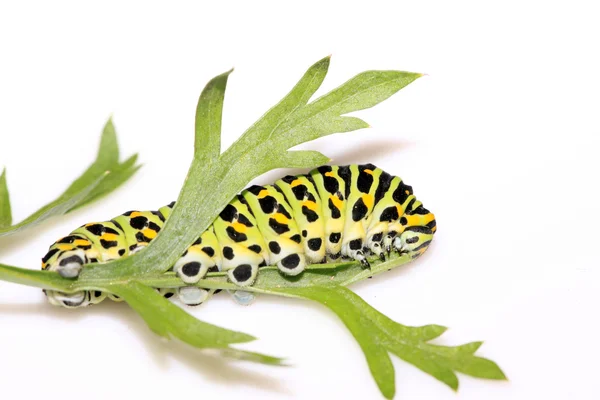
(333, 212)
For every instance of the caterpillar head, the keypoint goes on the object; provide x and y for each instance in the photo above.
(67, 261)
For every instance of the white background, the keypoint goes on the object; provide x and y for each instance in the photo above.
(500, 140)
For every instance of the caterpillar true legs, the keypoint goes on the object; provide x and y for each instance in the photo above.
(332, 212)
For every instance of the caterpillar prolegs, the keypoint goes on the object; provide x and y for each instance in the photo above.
(330, 213)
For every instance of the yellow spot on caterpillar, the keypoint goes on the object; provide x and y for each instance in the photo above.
(279, 217)
(330, 174)
(149, 233)
(368, 200)
(311, 205)
(263, 193)
(81, 242)
(407, 192)
(239, 227)
(369, 171)
(109, 236)
(336, 202)
(412, 220)
(135, 214)
(399, 209)
(296, 182)
(63, 247)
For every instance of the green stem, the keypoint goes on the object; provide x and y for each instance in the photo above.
(269, 278)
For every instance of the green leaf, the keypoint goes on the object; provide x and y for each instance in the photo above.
(99, 179)
(60, 206)
(118, 175)
(108, 156)
(264, 128)
(168, 320)
(107, 160)
(377, 356)
(324, 115)
(263, 147)
(162, 316)
(378, 335)
(208, 118)
(302, 159)
(5, 210)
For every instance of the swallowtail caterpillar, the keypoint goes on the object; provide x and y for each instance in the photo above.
(330, 213)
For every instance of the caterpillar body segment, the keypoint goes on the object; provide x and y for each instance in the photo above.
(353, 211)
(241, 243)
(278, 227)
(202, 257)
(360, 196)
(303, 198)
(331, 188)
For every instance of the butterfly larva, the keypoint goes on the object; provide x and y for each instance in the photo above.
(332, 212)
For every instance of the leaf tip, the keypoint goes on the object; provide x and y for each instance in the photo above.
(497, 372)
(109, 124)
(503, 376)
(323, 63)
(224, 74)
(469, 348)
(389, 396)
(476, 345)
(132, 159)
(283, 362)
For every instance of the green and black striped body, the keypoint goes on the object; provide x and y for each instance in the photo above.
(330, 213)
